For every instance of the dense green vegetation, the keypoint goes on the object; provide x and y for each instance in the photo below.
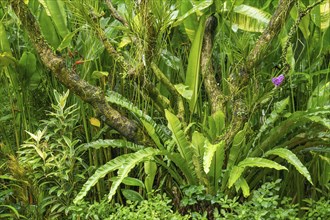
(177, 109)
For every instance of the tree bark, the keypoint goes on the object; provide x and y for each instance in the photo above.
(274, 27)
(212, 87)
(69, 78)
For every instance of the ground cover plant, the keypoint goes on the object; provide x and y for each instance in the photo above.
(111, 108)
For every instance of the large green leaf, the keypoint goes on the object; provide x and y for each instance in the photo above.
(129, 181)
(292, 159)
(216, 170)
(132, 195)
(242, 184)
(193, 69)
(4, 43)
(152, 133)
(237, 171)
(198, 141)
(150, 169)
(178, 135)
(216, 124)
(185, 167)
(249, 18)
(253, 12)
(320, 96)
(209, 153)
(27, 64)
(321, 15)
(198, 7)
(48, 29)
(188, 16)
(238, 142)
(56, 10)
(189, 19)
(325, 14)
(183, 91)
(234, 175)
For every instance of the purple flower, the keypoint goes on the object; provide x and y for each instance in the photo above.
(277, 81)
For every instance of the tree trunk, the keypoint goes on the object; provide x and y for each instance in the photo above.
(69, 78)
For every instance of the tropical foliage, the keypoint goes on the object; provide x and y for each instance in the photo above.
(107, 102)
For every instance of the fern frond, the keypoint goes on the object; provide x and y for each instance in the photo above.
(237, 171)
(123, 164)
(274, 115)
(178, 135)
(128, 165)
(186, 167)
(116, 98)
(292, 159)
(116, 143)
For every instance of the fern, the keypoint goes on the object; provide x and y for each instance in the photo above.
(184, 166)
(295, 122)
(242, 184)
(111, 143)
(116, 98)
(278, 109)
(209, 153)
(216, 124)
(178, 135)
(122, 163)
(237, 171)
(198, 147)
(128, 165)
(292, 159)
(152, 133)
(217, 163)
(238, 141)
(320, 96)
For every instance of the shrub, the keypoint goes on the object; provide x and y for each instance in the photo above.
(156, 207)
(264, 204)
(317, 209)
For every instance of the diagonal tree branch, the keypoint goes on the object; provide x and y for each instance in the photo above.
(87, 92)
(115, 13)
(274, 27)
